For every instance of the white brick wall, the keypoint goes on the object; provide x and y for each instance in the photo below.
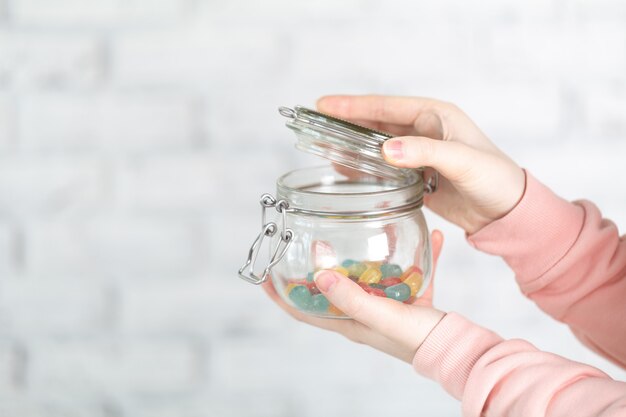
(137, 136)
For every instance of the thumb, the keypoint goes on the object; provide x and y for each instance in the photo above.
(452, 159)
(375, 312)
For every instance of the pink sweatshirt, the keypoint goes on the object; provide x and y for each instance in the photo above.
(572, 263)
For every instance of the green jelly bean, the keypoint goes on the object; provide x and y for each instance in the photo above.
(309, 277)
(390, 270)
(400, 292)
(301, 297)
(357, 269)
(320, 303)
(348, 263)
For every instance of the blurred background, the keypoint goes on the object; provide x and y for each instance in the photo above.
(137, 136)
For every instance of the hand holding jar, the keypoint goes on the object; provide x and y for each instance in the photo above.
(394, 328)
(480, 183)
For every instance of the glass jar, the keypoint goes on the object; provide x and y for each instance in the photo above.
(366, 224)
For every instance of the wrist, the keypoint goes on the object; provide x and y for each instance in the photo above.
(510, 190)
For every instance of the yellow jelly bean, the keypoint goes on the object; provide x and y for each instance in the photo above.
(289, 287)
(371, 276)
(413, 280)
(342, 270)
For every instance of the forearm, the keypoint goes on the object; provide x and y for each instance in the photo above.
(492, 376)
(570, 261)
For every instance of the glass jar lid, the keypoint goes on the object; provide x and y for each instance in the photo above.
(343, 142)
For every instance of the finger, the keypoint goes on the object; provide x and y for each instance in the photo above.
(454, 160)
(395, 110)
(391, 128)
(377, 313)
(436, 239)
(353, 330)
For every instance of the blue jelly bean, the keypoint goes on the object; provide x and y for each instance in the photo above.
(390, 270)
(348, 262)
(320, 303)
(309, 277)
(301, 297)
(400, 292)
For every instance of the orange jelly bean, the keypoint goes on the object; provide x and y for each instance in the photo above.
(413, 278)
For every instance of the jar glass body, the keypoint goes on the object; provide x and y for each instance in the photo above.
(367, 228)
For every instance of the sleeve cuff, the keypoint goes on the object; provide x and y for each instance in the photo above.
(535, 235)
(450, 351)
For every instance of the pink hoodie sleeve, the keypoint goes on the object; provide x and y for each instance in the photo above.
(572, 263)
(496, 377)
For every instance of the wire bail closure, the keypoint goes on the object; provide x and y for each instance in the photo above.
(268, 230)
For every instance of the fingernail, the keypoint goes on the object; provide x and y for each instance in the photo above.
(324, 280)
(393, 149)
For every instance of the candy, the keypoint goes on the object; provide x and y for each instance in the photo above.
(371, 276)
(375, 278)
(357, 269)
(390, 270)
(388, 282)
(379, 285)
(312, 288)
(373, 291)
(290, 287)
(301, 297)
(335, 311)
(410, 300)
(409, 271)
(413, 279)
(319, 303)
(400, 292)
(341, 270)
(348, 263)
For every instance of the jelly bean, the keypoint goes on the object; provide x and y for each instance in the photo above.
(373, 264)
(388, 282)
(354, 278)
(371, 276)
(341, 270)
(410, 300)
(380, 286)
(319, 303)
(323, 255)
(414, 280)
(310, 276)
(390, 270)
(409, 271)
(313, 288)
(373, 291)
(400, 292)
(301, 297)
(335, 311)
(290, 287)
(348, 263)
(357, 269)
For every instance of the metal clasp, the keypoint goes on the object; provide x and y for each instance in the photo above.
(432, 184)
(268, 229)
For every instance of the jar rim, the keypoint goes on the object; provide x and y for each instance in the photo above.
(323, 190)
